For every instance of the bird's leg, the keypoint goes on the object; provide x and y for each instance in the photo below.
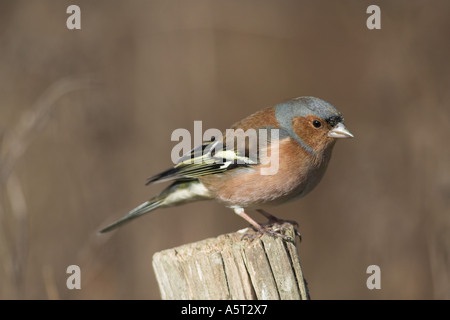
(258, 227)
(275, 220)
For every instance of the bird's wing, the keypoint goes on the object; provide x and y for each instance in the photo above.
(212, 157)
(215, 157)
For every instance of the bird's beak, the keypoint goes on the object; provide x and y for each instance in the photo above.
(340, 131)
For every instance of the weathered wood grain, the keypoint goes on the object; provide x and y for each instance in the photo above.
(232, 267)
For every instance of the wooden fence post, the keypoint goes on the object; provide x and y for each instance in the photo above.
(232, 267)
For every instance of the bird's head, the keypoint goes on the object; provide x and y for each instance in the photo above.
(314, 123)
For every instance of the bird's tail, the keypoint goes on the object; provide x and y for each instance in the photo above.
(136, 212)
(177, 193)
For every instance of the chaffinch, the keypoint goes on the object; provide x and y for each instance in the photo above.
(303, 132)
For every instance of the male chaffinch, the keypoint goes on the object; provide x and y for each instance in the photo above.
(307, 131)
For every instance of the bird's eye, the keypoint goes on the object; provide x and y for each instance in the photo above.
(317, 123)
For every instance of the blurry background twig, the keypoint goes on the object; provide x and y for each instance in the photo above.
(16, 141)
(14, 249)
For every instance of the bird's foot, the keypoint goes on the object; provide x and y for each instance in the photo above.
(267, 230)
(280, 222)
(285, 224)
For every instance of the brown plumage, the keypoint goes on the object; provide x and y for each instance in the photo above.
(301, 134)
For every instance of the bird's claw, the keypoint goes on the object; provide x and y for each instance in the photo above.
(264, 230)
(272, 220)
(281, 224)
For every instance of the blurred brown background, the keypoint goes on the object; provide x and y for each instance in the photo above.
(86, 116)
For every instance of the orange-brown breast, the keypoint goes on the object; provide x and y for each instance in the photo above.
(297, 174)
